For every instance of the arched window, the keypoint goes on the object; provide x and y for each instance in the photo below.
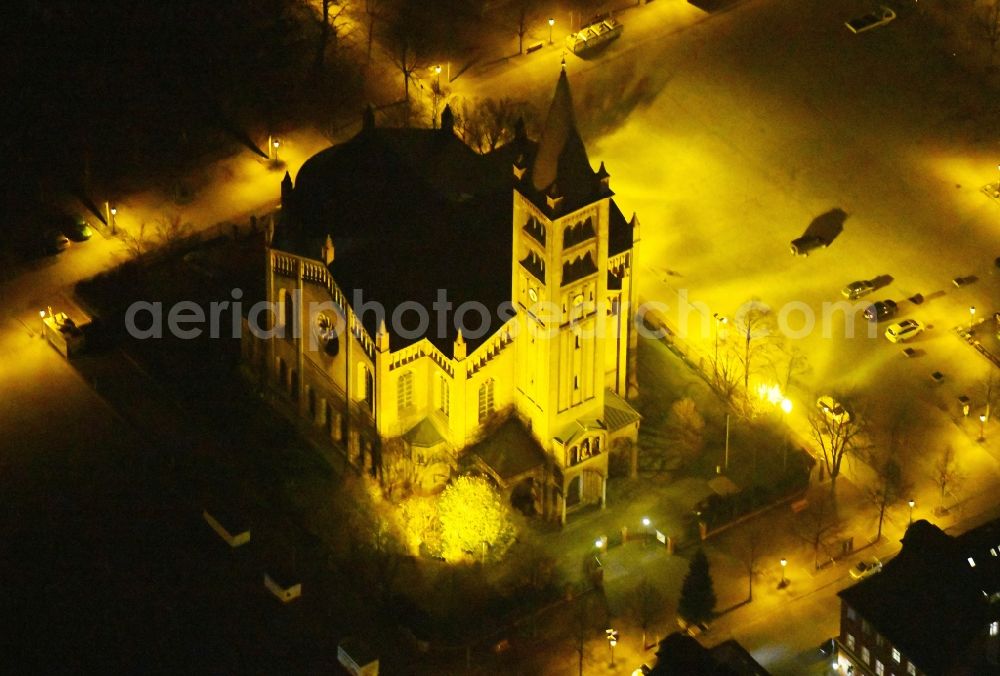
(485, 399)
(574, 455)
(289, 321)
(585, 449)
(404, 391)
(444, 400)
(332, 424)
(366, 385)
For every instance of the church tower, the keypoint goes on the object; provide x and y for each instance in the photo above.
(559, 284)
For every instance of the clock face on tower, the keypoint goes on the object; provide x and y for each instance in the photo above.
(532, 294)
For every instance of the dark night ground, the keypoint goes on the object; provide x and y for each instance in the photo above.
(112, 96)
(116, 569)
(109, 565)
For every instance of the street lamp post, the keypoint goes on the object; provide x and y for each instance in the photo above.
(275, 143)
(784, 580)
(911, 503)
(972, 317)
(720, 321)
(437, 72)
(612, 635)
(551, 23)
(982, 427)
(114, 221)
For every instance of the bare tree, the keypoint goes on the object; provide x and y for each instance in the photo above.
(794, 363)
(986, 21)
(647, 604)
(486, 124)
(171, 231)
(328, 26)
(817, 522)
(836, 436)
(754, 323)
(405, 44)
(373, 13)
(585, 619)
(948, 476)
(726, 369)
(751, 544)
(522, 13)
(686, 428)
(137, 242)
(395, 471)
(887, 486)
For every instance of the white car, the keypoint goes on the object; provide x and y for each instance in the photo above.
(865, 569)
(879, 17)
(903, 331)
(833, 410)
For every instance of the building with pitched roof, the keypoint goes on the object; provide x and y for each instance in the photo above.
(934, 610)
(422, 291)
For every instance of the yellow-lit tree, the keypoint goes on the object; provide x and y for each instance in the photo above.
(421, 525)
(475, 520)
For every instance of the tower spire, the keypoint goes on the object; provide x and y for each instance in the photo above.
(561, 155)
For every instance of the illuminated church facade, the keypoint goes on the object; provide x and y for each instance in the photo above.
(472, 313)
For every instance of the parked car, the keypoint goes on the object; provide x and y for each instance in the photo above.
(801, 246)
(959, 282)
(881, 310)
(864, 569)
(78, 230)
(879, 17)
(858, 289)
(833, 410)
(903, 331)
(54, 242)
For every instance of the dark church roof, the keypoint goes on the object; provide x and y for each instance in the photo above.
(929, 601)
(414, 211)
(410, 211)
(560, 166)
(509, 452)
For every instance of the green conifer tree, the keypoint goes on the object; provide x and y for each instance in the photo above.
(697, 593)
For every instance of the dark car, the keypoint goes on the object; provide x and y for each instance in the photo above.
(77, 229)
(883, 309)
(54, 242)
(801, 246)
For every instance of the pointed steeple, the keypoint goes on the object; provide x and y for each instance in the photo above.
(286, 190)
(382, 337)
(459, 351)
(447, 120)
(561, 155)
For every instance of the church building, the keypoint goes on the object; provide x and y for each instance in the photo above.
(473, 313)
